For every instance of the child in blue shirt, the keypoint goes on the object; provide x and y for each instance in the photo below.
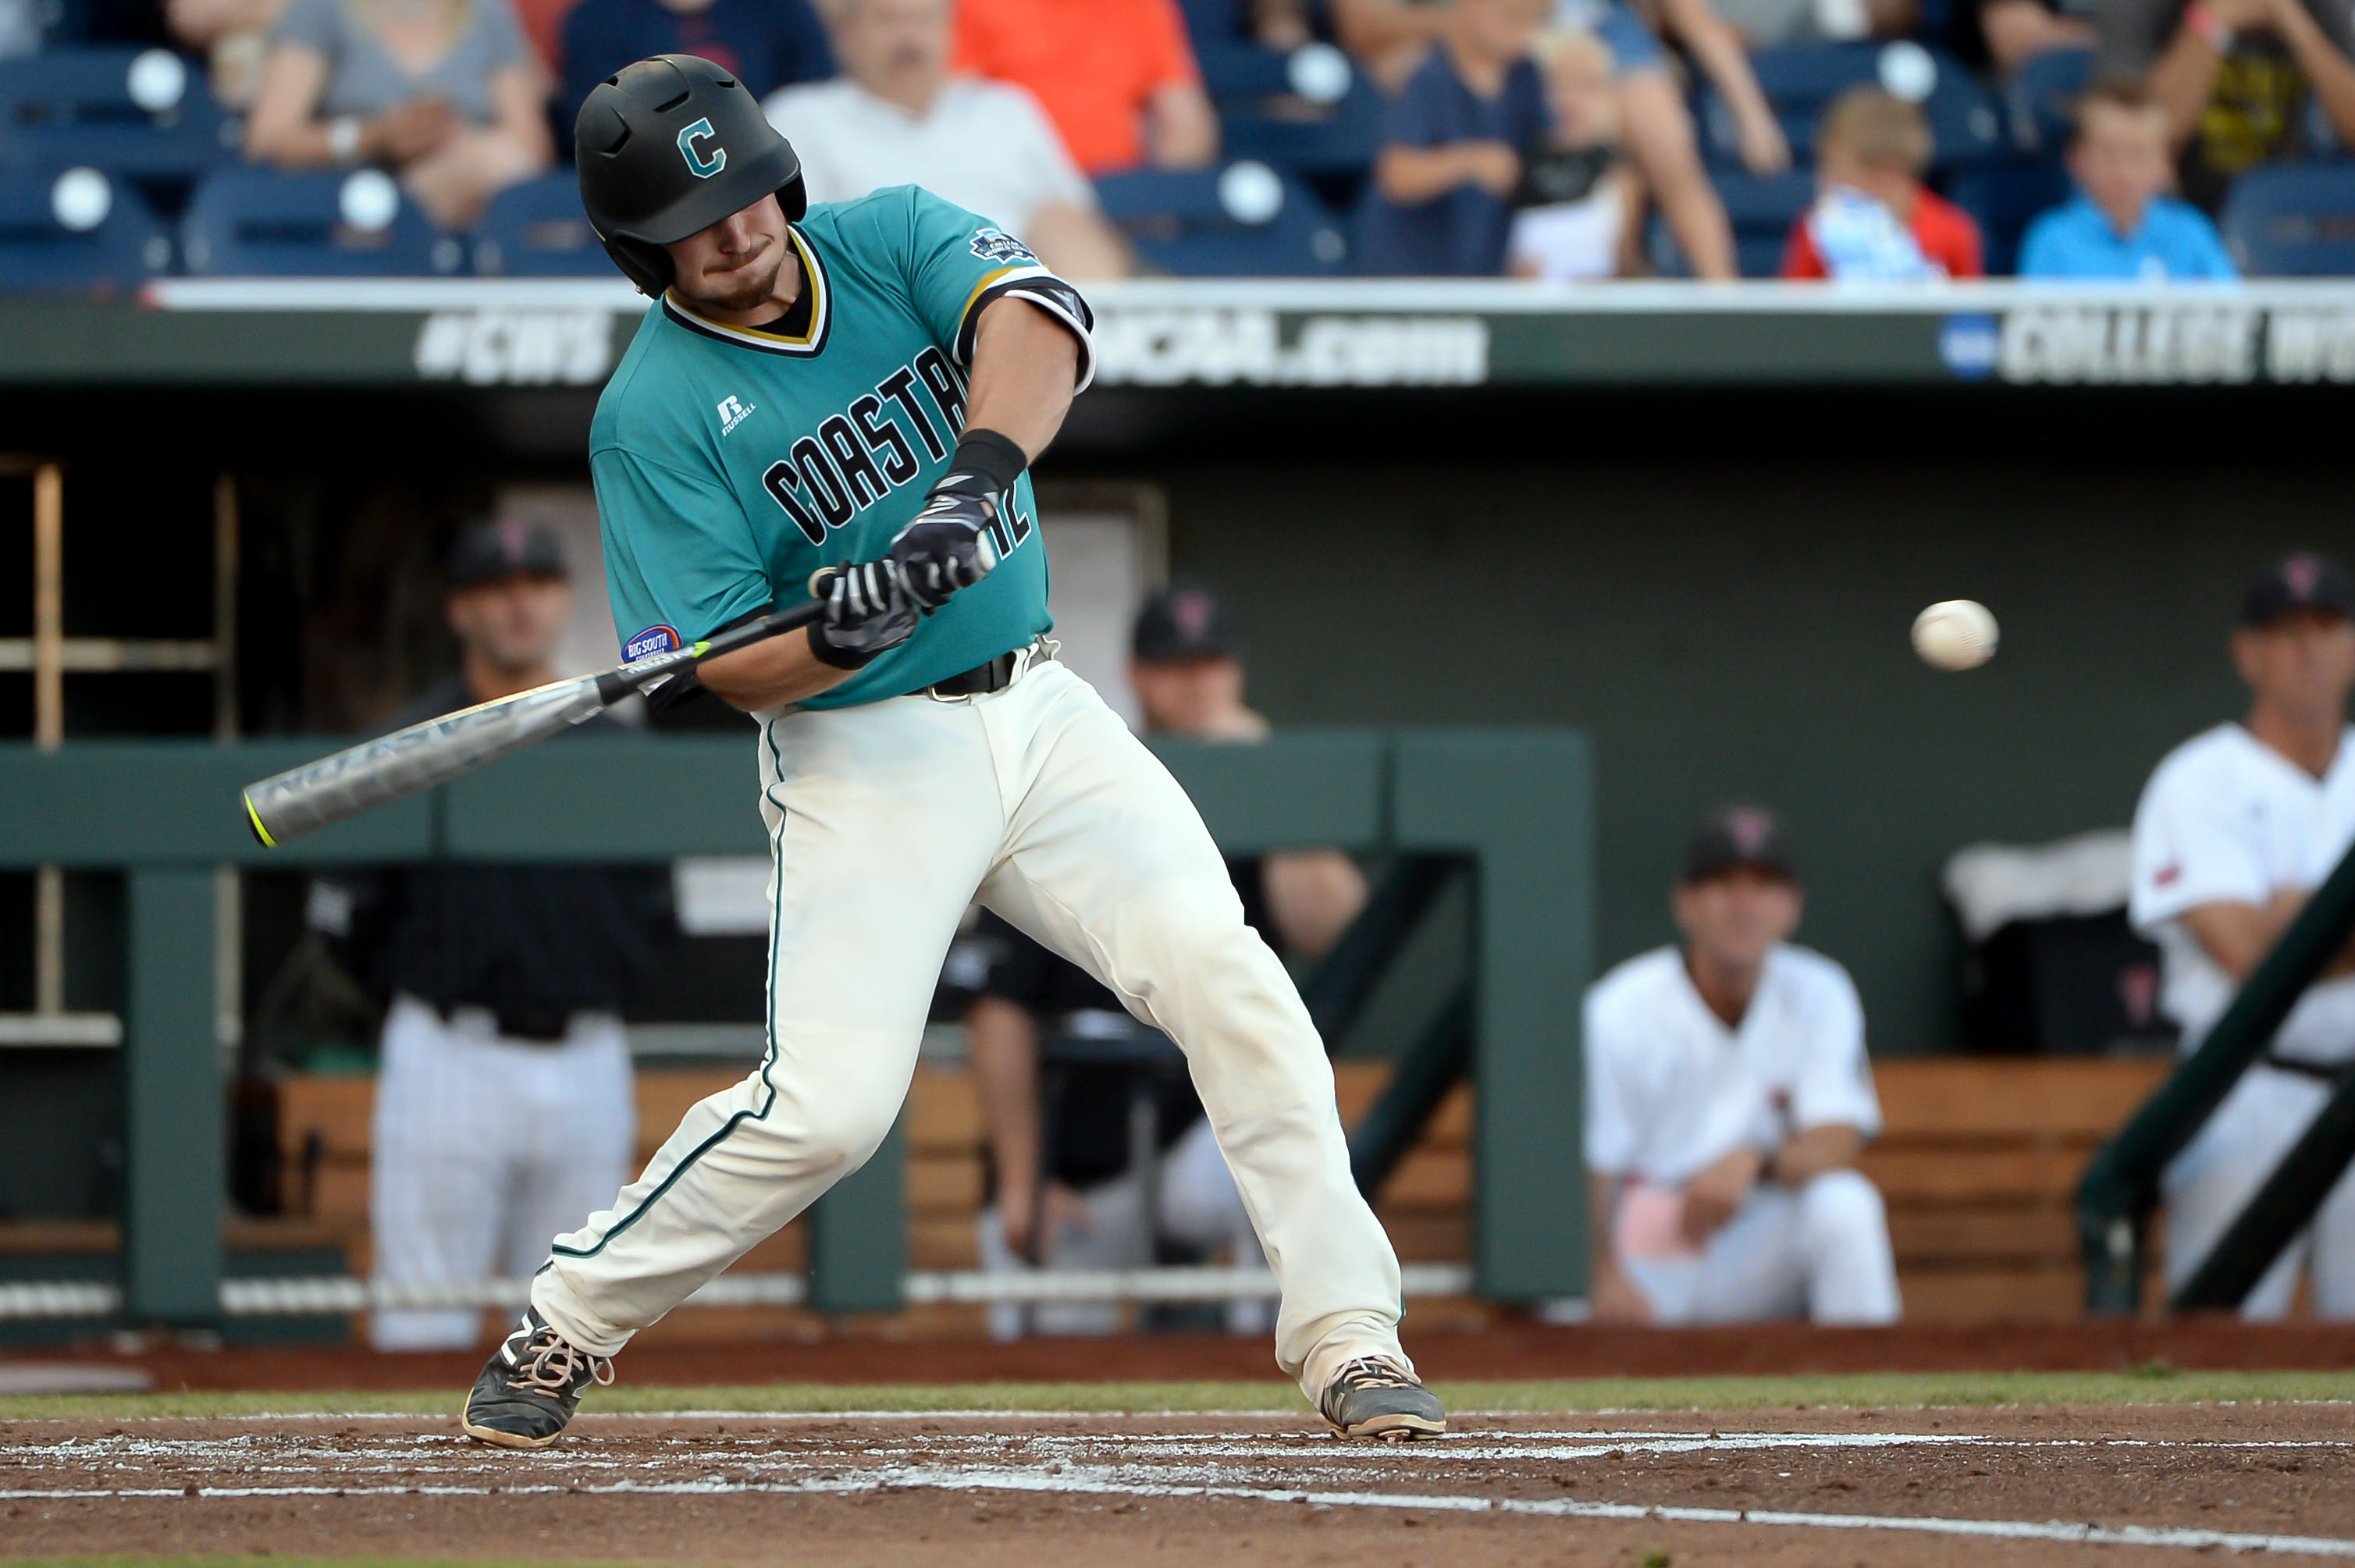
(2121, 224)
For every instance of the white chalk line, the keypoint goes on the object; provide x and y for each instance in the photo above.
(2089, 1534)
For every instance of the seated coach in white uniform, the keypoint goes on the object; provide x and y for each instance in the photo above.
(1728, 1095)
(2235, 828)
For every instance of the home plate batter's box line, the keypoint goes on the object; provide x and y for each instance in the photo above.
(1551, 1508)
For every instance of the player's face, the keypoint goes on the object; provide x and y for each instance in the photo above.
(734, 263)
(1187, 697)
(2302, 662)
(512, 625)
(1734, 918)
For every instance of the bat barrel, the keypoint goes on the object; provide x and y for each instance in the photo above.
(408, 761)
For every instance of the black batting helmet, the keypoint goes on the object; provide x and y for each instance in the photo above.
(671, 145)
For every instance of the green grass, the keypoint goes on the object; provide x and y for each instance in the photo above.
(2156, 1384)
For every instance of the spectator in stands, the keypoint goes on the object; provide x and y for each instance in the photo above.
(1118, 77)
(503, 1107)
(1873, 220)
(445, 92)
(764, 44)
(897, 117)
(1452, 143)
(234, 37)
(2016, 31)
(2235, 76)
(1069, 1197)
(1728, 1097)
(2236, 828)
(1581, 207)
(2123, 224)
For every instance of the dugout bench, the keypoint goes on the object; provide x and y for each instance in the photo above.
(1515, 806)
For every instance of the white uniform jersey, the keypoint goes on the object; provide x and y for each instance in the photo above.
(1670, 1088)
(2228, 819)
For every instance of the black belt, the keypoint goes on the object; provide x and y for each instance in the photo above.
(2322, 1072)
(982, 680)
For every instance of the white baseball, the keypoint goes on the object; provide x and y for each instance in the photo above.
(1954, 634)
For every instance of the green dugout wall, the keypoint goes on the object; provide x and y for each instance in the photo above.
(1514, 803)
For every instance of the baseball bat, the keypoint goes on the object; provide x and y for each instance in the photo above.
(392, 767)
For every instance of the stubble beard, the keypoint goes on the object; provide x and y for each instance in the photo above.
(754, 285)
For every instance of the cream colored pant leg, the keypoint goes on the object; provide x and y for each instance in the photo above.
(883, 819)
(1107, 862)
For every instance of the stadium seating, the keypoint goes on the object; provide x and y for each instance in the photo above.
(76, 230)
(2292, 220)
(138, 112)
(1762, 209)
(1242, 220)
(2003, 199)
(1800, 81)
(260, 223)
(2040, 98)
(536, 230)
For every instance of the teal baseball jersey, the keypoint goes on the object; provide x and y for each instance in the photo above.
(732, 462)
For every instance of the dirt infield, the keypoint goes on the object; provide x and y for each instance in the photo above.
(1792, 1486)
(1509, 1350)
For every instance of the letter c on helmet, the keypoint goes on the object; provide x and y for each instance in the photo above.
(703, 167)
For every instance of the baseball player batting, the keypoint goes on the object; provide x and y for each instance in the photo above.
(861, 386)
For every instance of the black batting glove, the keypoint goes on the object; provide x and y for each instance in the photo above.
(867, 614)
(953, 542)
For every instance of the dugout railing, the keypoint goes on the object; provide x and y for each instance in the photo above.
(2120, 1190)
(1511, 810)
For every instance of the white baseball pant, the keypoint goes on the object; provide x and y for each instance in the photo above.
(485, 1147)
(885, 821)
(1821, 1253)
(1197, 1206)
(2210, 1183)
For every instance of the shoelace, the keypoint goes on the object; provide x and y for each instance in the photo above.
(1372, 1371)
(554, 1366)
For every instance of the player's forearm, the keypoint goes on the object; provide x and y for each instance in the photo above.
(1025, 366)
(1811, 1152)
(770, 674)
(1005, 1057)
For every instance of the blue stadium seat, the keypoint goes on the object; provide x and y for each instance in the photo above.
(2292, 220)
(1339, 142)
(142, 113)
(2003, 199)
(536, 230)
(2041, 99)
(260, 222)
(113, 243)
(1243, 220)
(1800, 81)
(1762, 209)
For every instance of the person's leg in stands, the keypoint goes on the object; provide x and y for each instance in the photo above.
(1844, 1239)
(455, 184)
(582, 1143)
(2333, 1244)
(2220, 1169)
(1659, 133)
(439, 1177)
(1201, 1209)
(1755, 1269)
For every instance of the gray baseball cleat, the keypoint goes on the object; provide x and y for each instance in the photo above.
(1376, 1396)
(530, 1386)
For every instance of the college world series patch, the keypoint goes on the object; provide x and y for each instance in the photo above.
(653, 640)
(997, 245)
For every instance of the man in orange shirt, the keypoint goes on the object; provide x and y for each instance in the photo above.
(1118, 77)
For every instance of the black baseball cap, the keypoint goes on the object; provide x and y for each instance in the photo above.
(1187, 621)
(1739, 839)
(493, 552)
(2306, 580)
